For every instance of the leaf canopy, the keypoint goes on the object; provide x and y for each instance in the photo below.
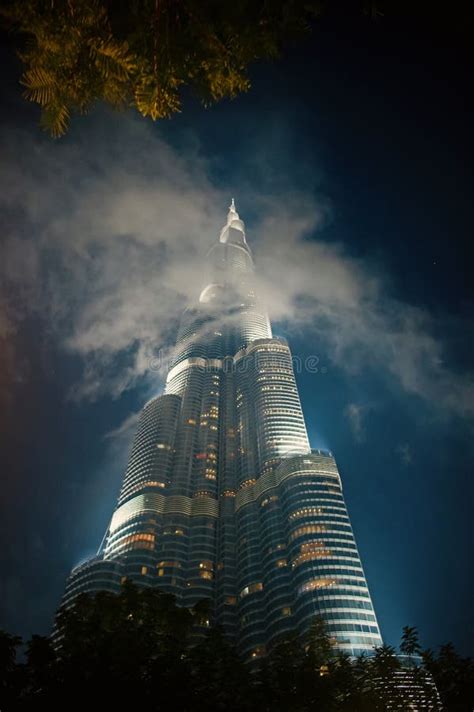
(141, 53)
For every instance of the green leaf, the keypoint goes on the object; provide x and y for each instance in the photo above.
(55, 119)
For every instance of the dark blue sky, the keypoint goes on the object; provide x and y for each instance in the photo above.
(373, 122)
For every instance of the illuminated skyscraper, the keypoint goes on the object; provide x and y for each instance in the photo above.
(223, 497)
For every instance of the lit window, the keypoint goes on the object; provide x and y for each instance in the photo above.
(247, 483)
(228, 493)
(152, 483)
(207, 564)
(171, 564)
(311, 546)
(251, 588)
(138, 541)
(174, 531)
(286, 611)
(306, 512)
(144, 570)
(323, 554)
(268, 500)
(317, 583)
(308, 529)
(231, 600)
(278, 547)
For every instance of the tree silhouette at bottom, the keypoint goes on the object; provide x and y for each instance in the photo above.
(141, 648)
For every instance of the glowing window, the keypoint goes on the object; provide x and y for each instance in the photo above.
(268, 500)
(207, 564)
(316, 584)
(251, 588)
(305, 512)
(308, 529)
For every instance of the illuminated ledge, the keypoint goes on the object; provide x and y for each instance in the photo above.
(198, 362)
(195, 361)
(295, 466)
(161, 504)
(254, 346)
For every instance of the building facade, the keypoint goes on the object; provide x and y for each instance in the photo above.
(223, 497)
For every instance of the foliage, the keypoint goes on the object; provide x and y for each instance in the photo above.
(142, 53)
(9, 671)
(140, 648)
(454, 677)
(410, 644)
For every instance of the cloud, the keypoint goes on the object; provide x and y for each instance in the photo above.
(405, 453)
(106, 245)
(106, 238)
(125, 430)
(14, 368)
(355, 414)
(321, 290)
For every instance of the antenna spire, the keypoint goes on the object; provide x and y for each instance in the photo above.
(233, 222)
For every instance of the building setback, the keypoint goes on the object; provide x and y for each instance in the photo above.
(223, 497)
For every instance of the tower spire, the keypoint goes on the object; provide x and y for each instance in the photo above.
(232, 211)
(233, 223)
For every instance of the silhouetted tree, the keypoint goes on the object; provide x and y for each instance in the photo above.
(139, 648)
(410, 644)
(352, 693)
(454, 678)
(218, 674)
(280, 675)
(143, 52)
(39, 672)
(11, 678)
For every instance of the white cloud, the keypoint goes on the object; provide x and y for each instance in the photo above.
(106, 238)
(405, 453)
(355, 414)
(125, 430)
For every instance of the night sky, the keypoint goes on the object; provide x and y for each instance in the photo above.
(359, 141)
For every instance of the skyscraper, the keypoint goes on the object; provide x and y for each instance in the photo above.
(223, 497)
